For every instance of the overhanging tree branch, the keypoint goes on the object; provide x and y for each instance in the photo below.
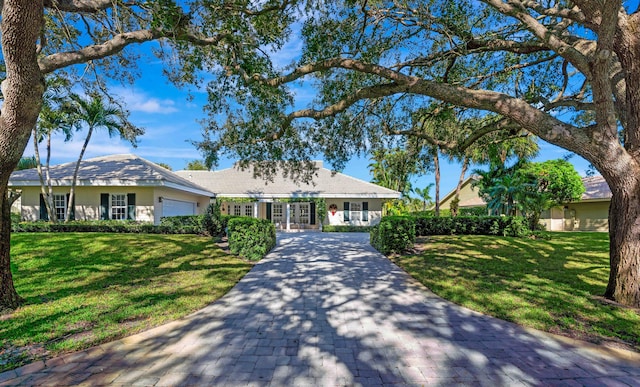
(57, 61)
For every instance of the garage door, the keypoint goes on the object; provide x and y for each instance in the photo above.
(176, 207)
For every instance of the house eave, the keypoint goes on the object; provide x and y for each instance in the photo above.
(114, 183)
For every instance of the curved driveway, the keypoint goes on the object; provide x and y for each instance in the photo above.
(327, 310)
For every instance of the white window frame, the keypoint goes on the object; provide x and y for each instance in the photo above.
(355, 211)
(121, 214)
(248, 210)
(60, 199)
(304, 210)
(237, 210)
(277, 214)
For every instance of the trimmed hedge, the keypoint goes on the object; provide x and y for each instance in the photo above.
(345, 228)
(251, 238)
(184, 224)
(473, 225)
(114, 226)
(394, 234)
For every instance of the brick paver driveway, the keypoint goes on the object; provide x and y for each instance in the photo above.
(325, 310)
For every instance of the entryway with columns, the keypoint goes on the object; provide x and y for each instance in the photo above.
(286, 216)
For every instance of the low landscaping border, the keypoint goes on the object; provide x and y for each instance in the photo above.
(345, 228)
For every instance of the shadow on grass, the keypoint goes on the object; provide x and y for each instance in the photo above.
(329, 310)
(549, 284)
(83, 288)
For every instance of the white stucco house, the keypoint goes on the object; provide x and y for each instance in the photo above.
(292, 205)
(127, 187)
(118, 187)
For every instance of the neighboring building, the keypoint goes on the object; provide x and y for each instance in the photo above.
(290, 204)
(590, 213)
(112, 187)
(469, 197)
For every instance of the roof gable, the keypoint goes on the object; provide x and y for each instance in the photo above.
(111, 170)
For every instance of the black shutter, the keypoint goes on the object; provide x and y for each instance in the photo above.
(346, 211)
(131, 206)
(365, 211)
(43, 209)
(312, 213)
(72, 213)
(104, 206)
(269, 216)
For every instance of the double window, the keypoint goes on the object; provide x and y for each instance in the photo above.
(239, 209)
(356, 212)
(118, 206)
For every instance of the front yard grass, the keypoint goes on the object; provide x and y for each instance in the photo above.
(552, 285)
(82, 289)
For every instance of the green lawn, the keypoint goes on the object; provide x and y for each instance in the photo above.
(553, 285)
(82, 289)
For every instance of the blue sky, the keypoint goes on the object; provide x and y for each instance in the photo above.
(171, 122)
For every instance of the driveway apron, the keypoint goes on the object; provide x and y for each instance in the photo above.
(328, 310)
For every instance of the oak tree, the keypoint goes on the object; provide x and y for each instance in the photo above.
(566, 71)
(94, 41)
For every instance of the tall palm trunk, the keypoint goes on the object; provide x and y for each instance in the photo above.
(46, 195)
(75, 175)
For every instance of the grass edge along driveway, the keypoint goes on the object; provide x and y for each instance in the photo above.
(83, 289)
(551, 285)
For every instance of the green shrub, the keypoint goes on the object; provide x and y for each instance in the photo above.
(393, 234)
(15, 219)
(472, 211)
(214, 222)
(345, 228)
(251, 238)
(185, 224)
(115, 226)
(472, 225)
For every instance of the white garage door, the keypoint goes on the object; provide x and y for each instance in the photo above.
(176, 207)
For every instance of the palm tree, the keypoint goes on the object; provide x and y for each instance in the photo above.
(26, 163)
(93, 112)
(54, 117)
(196, 165)
(424, 195)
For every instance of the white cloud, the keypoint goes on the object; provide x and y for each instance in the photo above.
(137, 101)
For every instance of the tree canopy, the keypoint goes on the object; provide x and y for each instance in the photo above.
(92, 42)
(567, 72)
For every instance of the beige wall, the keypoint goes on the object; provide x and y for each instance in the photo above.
(583, 216)
(87, 201)
(468, 194)
(591, 216)
(375, 212)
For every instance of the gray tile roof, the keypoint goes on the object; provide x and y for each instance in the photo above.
(596, 188)
(235, 182)
(113, 170)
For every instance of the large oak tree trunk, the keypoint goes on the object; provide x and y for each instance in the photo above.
(22, 90)
(624, 237)
(9, 298)
(436, 167)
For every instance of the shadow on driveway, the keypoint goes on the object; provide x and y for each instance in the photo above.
(327, 310)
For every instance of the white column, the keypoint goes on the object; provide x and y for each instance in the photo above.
(288, 216)
(255, 209)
